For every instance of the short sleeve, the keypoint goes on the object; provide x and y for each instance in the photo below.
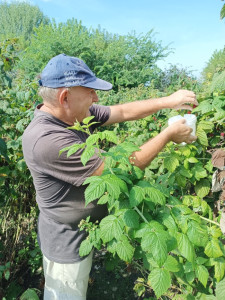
(68, 169)
(101, 114)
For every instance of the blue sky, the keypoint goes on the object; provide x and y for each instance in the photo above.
(192, 27)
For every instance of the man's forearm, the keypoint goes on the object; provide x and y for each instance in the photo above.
(150, 150)
(143, 108)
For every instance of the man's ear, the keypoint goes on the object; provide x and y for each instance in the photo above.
(63, 97)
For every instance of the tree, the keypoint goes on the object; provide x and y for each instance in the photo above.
(127, 60)
(18, 20)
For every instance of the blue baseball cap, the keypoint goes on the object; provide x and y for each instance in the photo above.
(67, 71)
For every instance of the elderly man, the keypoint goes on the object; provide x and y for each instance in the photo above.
(68, 88)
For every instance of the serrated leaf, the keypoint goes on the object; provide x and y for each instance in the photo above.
(131, 218)
(29, 294)
(110, 136)
(160, 281)
(181, 180)
(155, 243)
(220, 288)
(110, 227)
(202, 136)
(136, 196)
(94, 191)
(206, 125)
(87, 120)
(199, 172)
(184, 172)
(212, 249)
(155, 195)
(204, 107)
(103, 200)
(87, 154)
(197, 234)
(72, 149)
(171, 264)
(202, 188)
(124, 249)
(85, 247)
(192, 160)
(169, 222)
(92, 139)
(219, 266)
(202, 274)
(185, 247)
(170, 163)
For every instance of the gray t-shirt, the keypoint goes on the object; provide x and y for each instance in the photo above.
(58, 183)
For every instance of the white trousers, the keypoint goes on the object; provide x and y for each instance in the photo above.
(66, 281)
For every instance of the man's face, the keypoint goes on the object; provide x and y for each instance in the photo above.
(80, 100)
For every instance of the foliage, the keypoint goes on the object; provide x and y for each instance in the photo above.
(160, 219)
(18, 20)
(17, 202)
(222, 12)
(175, 78)
(214, 65)
(123, 60)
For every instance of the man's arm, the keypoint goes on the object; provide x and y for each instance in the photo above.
(177, 132)
(143, 108)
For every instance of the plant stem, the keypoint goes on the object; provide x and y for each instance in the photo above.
(210, 221)
(138, 211)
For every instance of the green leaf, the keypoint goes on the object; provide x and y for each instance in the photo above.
(155, 243)
(85, 247)
(204, 107)
(110, 136)
(7, 274)
(219, 266)
(206, 125)
(172, 264)
(202, 274)
(212, 249)
(199, 172)
(169, 222)
(29, 294)
(124, 249)
(136, 196)
(155, 195)
(104, 199)
(197, 234)
(110, 227)
(202, 136)
(202, 188)
(94, 191)
(192, 160)
(92, 139)
(184, 172)
(131, 218)
(72, 149)
(181, 180)
(87, 154)
(87, 120)
(170, 163)
(220, 288)
(160, 281)
(185, 247)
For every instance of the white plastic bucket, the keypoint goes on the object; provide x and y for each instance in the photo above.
(190, 121)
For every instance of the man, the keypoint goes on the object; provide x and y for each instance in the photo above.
(67, 87)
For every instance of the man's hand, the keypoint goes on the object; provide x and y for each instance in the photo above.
(179, 100)
(179, 132)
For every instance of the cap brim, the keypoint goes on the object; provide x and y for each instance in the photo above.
(98, 84)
